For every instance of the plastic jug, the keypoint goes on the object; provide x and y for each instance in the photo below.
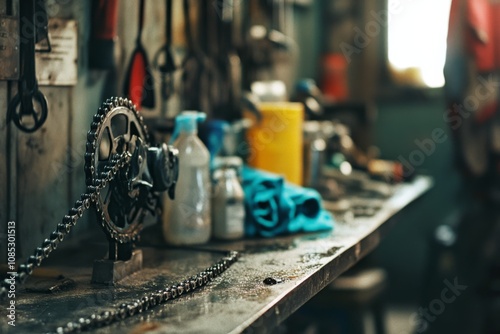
(186, 220)
(276, 140)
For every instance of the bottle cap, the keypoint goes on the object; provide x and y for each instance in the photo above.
(187, 121)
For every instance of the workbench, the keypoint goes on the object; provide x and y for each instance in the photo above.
(237, 301)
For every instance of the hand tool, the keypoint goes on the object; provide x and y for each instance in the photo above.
(233, 63)
(164, 60)
(139, 81)
(194, 79)
(42, 25)
(28, 91)
(212, 47)
(104, 26)
(264, 39)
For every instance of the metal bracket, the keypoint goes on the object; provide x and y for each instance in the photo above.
(109, 272)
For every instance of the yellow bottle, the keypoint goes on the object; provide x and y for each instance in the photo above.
(276, 140)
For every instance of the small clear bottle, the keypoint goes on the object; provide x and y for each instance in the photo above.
(228, 208)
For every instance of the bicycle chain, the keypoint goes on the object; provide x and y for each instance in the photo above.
(151, 299)
(90, 169)
(91, 196)
(69, 221)
(86, 199)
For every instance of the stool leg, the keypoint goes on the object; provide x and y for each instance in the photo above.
(379, 318)
(356, 321)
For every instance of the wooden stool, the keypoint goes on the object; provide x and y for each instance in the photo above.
(343, 305)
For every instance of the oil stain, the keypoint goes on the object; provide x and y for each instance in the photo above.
(272, 281)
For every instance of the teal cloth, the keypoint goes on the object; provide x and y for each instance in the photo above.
(274, 207)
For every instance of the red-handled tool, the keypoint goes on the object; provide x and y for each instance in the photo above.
(102, 43)
(139, 83)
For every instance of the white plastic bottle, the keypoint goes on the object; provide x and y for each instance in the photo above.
(186, 219)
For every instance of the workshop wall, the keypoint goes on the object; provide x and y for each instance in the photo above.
(41, 173)
(41, 169)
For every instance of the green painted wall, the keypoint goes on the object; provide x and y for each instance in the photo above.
(405, 251)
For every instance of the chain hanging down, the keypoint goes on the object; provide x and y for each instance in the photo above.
(68, 222)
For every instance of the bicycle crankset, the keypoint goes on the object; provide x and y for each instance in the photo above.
(122, 203)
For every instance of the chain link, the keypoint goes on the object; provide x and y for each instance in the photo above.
(150, 299)
(64, 228)
(98, 125)
(91, 196)
(125, 310)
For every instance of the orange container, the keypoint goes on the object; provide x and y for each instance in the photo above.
(276, 141)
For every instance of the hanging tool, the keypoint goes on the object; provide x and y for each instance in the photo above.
(264, 40)
(194, 80)
(218, 85)
(139, 83)
(230, 61)
(208, 42)
(42, 26)
(258, 51)
(21, 108)
(164, 60)
(231, 32)
(102, 42)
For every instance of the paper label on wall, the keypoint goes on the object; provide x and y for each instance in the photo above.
(59, 67)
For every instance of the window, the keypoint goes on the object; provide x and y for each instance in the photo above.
(417, 31)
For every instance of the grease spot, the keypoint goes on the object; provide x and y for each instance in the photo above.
(272, 281)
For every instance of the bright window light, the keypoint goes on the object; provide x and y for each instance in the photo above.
(417, 38)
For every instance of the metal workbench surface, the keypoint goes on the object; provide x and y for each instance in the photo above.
(234, 302)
